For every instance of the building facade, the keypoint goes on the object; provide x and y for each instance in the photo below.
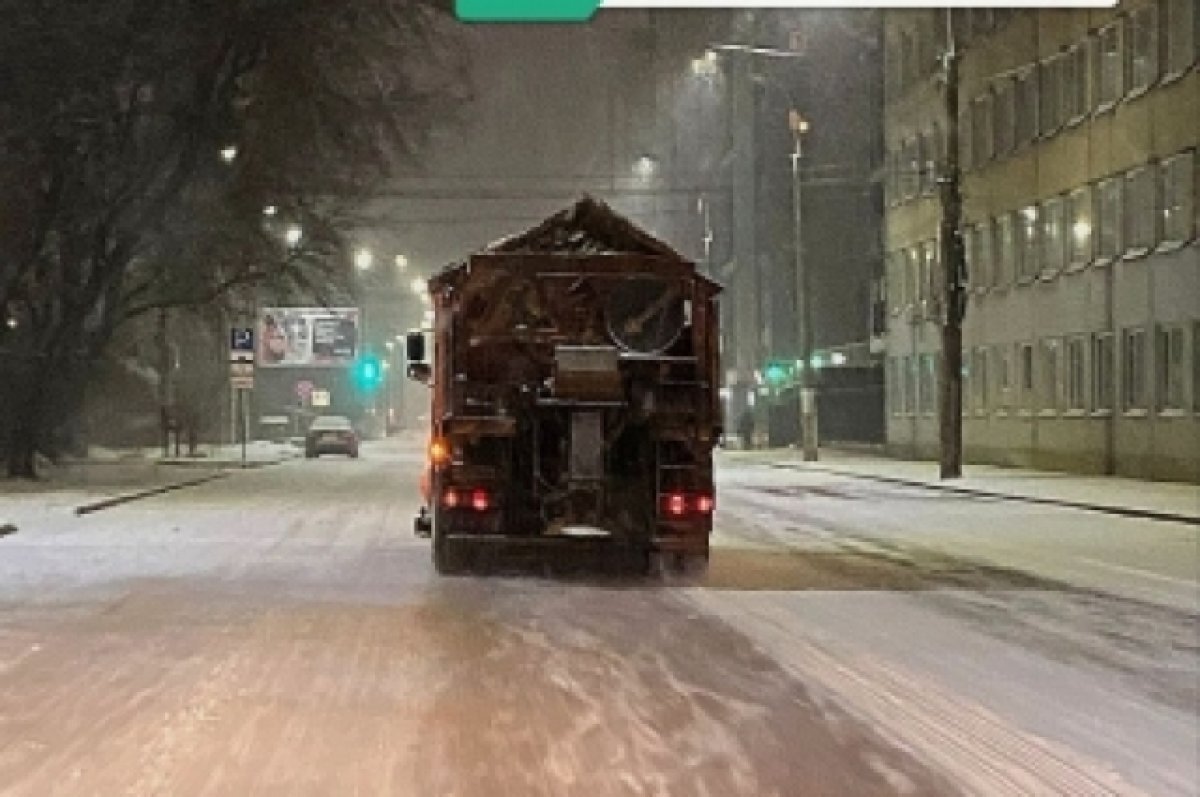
(1078, 138)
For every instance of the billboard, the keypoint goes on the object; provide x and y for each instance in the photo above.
(307, 336)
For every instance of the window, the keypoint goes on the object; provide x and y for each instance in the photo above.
(1025, 107)
(1026, 366)
(979, 381)
(1048, 372)
(1028, 254)
(912, 277)
(1141, 211)
(921, 163)
(979, 265)
(1110, 68)
(910, 385)
(895, 282)
(1006, 250)
(1079, 216)
(926, 388)
(1179, 27)
(1178, 175)
(1133, 370)
(929, 284)
(1003, 116)
(1075, 391)
(894, 396)
(1003, 377)
(1143, 61)
(1076, 84)
(1053, 245)
(982, 148)
(1051, 93)
(908, 62)
(1169, 359)
(1108, 202)
(1102, 372)
(910, 169)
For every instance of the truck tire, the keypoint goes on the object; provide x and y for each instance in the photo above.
(449, 556)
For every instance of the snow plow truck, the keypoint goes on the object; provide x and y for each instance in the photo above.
(573, 375)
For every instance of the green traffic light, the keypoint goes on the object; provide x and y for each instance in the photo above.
(368, 373)
(776, 373)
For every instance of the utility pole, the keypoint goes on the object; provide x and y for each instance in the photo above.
(803, 301)
(953, 273)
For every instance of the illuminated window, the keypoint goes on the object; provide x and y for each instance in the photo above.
(1079, 233)
(1053, 245)
(1028, 244)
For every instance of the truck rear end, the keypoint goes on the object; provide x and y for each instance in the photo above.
(573, 395)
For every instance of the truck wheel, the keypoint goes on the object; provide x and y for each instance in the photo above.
(448, 555)
(689, 565)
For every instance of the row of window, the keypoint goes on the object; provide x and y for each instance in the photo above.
(1071, 375)
(1126, 215)
(912, 52)
(1122, 59)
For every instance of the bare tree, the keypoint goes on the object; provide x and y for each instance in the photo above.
(148, 136)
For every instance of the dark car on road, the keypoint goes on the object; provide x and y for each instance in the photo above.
(331, 434)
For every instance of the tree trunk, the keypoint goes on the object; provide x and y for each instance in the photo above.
(24, 434)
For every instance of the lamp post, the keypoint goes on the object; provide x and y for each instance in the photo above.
(802, 298)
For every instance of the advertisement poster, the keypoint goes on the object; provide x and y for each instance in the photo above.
(307, 336)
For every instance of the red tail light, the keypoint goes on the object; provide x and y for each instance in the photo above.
(480, 501)
(451, 498)
(705, 504)
(676, 504)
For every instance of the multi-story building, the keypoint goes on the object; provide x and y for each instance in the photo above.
(1078, 136)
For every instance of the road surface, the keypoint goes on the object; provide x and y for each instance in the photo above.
(280, 632)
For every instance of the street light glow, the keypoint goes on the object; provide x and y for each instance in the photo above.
(363, 259)
(401, 262)
(419, 287)
(645, 167)
(229, 153)
(293, 235)
(270, 210)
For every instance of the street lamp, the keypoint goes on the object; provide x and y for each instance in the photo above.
(270, 210)
(229, 153)
(419, 287)
(363, 259)
(293, 235)
(401, 262)
(802, 300)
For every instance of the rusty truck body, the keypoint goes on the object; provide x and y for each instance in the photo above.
(574, 395)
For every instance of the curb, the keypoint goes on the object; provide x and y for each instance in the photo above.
(1122, 511)
(126, 498)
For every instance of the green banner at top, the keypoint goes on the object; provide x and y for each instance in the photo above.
(525, 10)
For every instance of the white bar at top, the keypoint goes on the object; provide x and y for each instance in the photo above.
(853, 4)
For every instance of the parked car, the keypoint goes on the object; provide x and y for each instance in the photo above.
(331, 434)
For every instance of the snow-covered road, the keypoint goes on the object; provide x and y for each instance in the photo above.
(280, 631)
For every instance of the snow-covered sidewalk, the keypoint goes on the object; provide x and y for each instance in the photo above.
(1109, 493)
(111, 475)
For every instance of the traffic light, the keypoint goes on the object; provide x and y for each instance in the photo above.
(776, 373)
(368, 372)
